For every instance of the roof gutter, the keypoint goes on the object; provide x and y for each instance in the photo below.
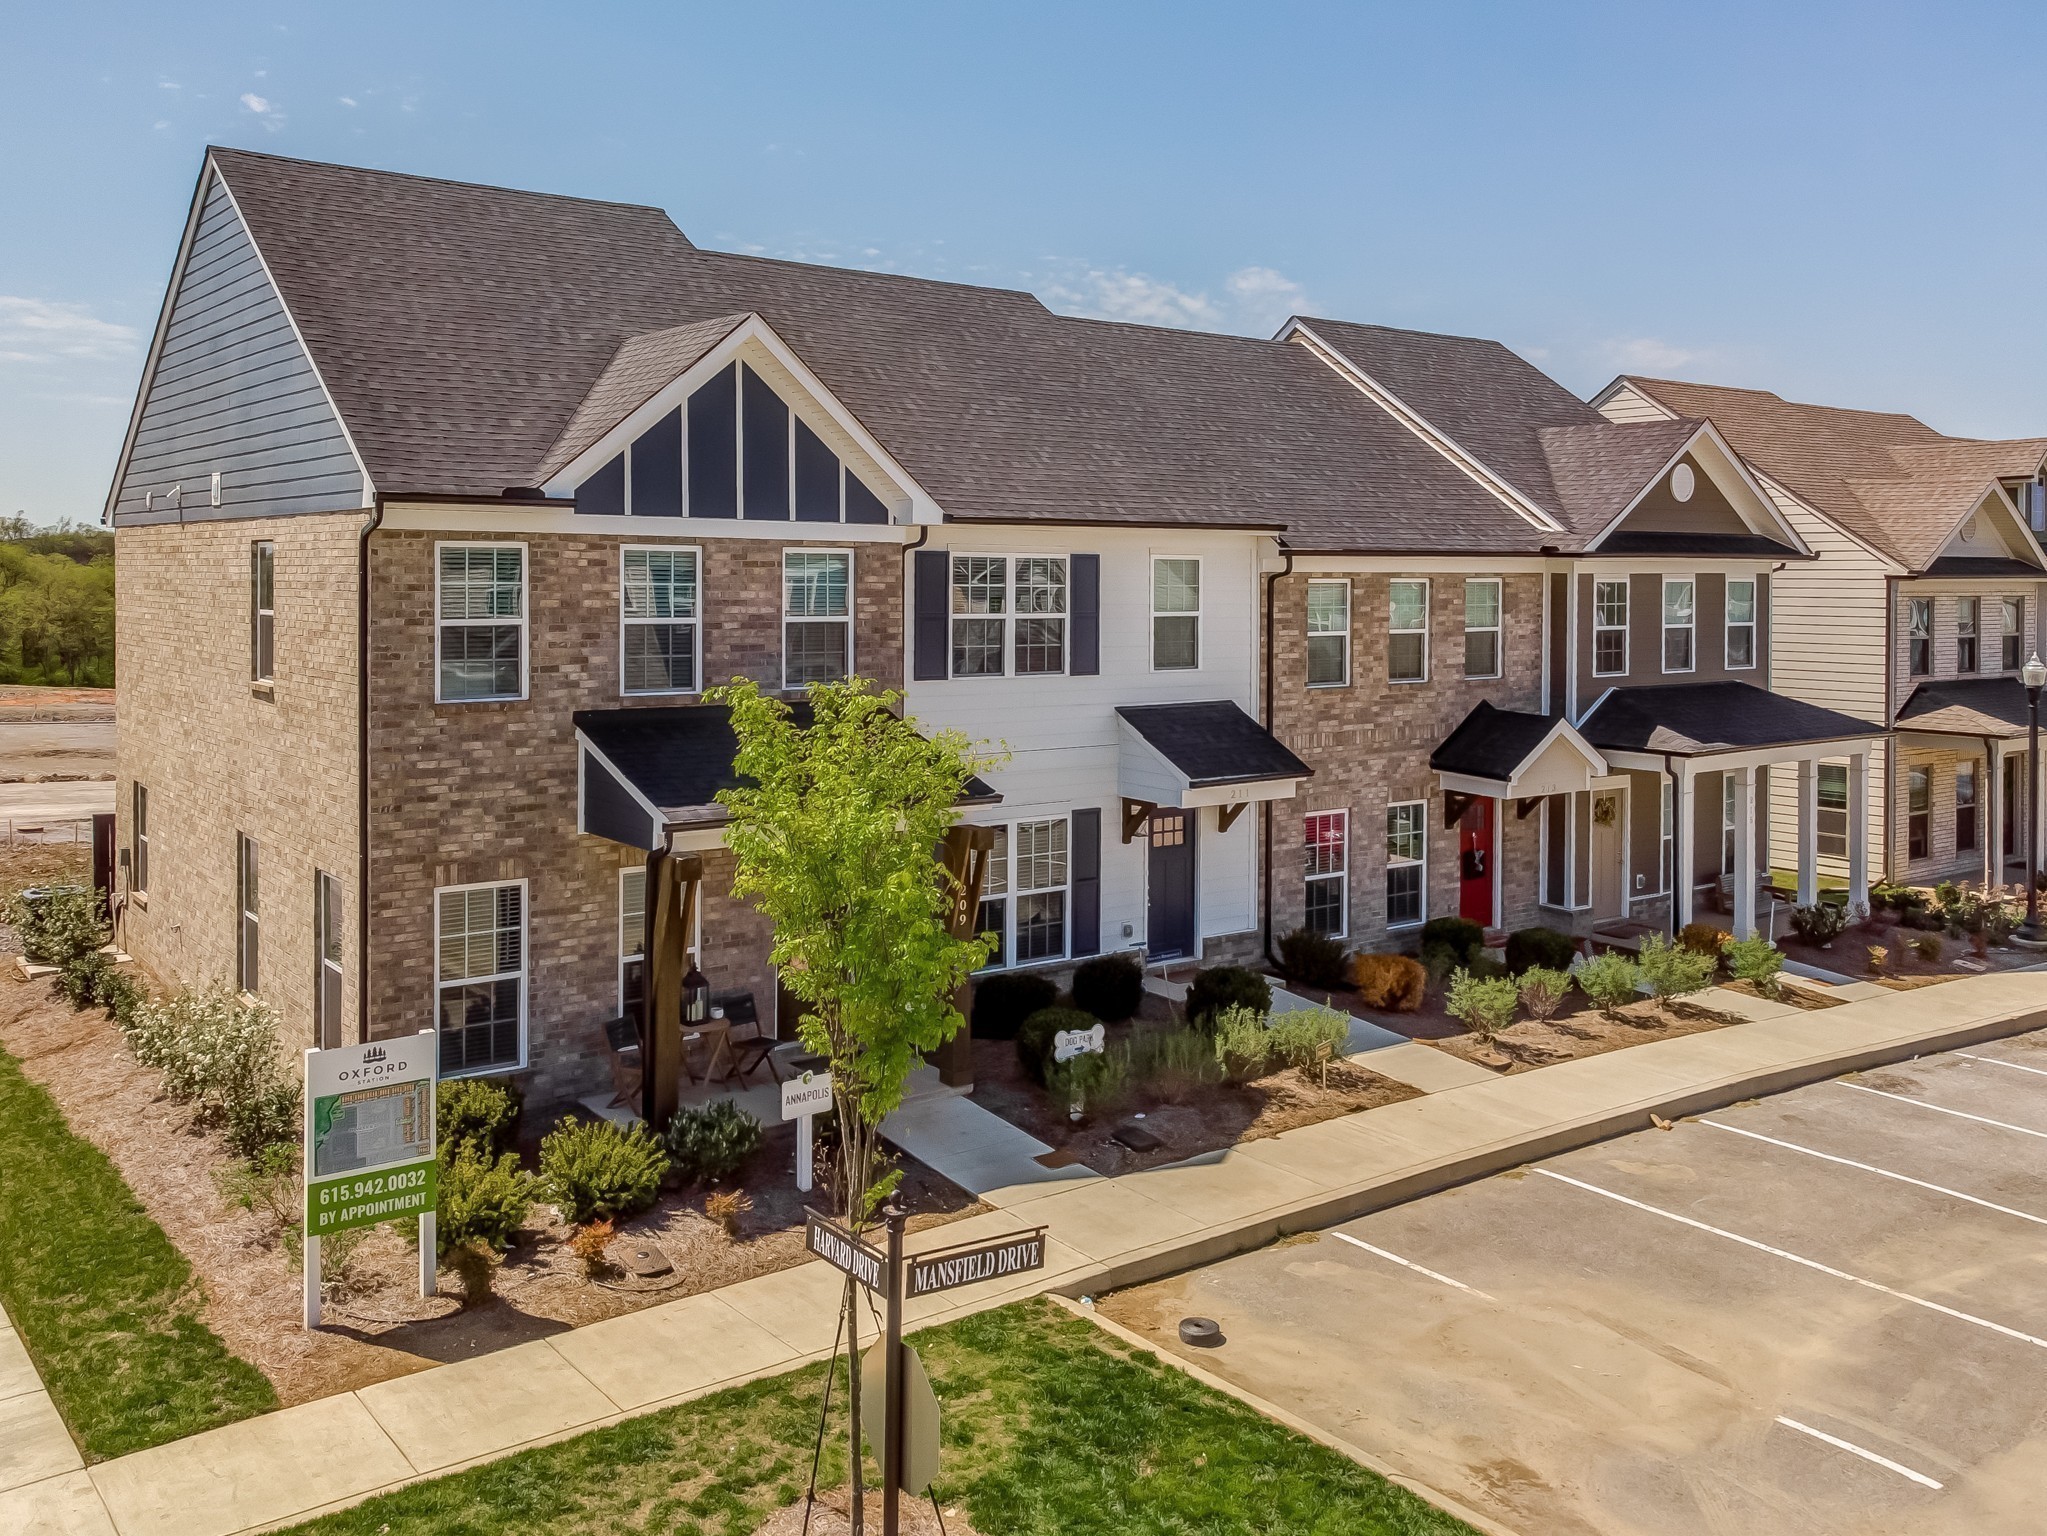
(362, 767)
(1271, 589)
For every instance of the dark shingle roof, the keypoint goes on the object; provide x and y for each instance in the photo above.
(461, 329)
(1972, 706)
(1691, 718)
(1213, 742)
(1970, 565)
(1490, 743)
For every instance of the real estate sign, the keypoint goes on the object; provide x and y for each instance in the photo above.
(369, 1134)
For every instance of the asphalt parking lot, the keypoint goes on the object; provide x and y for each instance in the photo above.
(1821, 1312)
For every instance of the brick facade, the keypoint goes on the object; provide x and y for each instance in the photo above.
(222, 755)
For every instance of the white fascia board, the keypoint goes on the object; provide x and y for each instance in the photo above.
(1569, 732)
(513, 518)
(1249, 792)
(1776, 488)
(1474, 564)
(924, 507)
(1419, 425)
(1745, 482)
(1752, 757)
(696, 839)
(1991, 495)
(1622, 381)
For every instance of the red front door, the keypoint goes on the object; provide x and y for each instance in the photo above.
(1475, 862)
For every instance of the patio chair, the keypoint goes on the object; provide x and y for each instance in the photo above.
(628, 1072)
(751, 1049)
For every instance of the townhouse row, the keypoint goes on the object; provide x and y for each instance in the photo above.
(418, 600)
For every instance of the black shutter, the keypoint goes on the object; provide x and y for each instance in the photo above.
(929, 661)
(1087, 615)
(1087, 879)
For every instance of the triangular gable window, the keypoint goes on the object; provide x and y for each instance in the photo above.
(733, 449)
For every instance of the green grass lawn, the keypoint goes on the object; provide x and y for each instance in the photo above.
(1050, 1426)
(107, 1307)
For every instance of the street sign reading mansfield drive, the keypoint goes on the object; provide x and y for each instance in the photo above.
(1012, 1255)
(369, 1134)
(843, 1251)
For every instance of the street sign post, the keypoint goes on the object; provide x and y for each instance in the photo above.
(843, 1251)
(803, 1100)
(369, 1147)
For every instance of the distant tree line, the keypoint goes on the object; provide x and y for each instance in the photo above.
(56, 604)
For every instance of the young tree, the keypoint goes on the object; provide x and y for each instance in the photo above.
(834, 830)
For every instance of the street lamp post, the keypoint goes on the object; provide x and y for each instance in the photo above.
(2034, 675)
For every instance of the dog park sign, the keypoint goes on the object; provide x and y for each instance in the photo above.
(369, 1149)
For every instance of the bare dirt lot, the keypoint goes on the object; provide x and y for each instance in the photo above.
(1824, 1312)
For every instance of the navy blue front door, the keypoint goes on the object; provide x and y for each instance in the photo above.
(1169, 922)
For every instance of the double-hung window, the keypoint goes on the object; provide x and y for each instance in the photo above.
(659, 599)
(1328, 634)
(817, 616)
(246, 908)
(1918, 812)
(480, 975)
(1326, 864)
(2012, 617)
(1482, 627)
(988, 592)
(1038, 873)
(1175, 615)
(980, 605)
(482, 633)
(1832, 831)
(993, 918)
(1921, 633)
(1680, 620)
(1407, 848)
(1741, 624)
(1669, 828)
(1609, 628)
(327, 950)
(632, 938)
(138, 878)
(1965, 806)
(262, 610)
(1040, 614)
(1407, 626)
(1967, 612)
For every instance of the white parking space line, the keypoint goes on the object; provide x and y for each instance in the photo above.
(1855, 1450)
(2015, 1066)
(1902, 1178)
(1814, 1264)
(1941, 1109)
(1394, 1258)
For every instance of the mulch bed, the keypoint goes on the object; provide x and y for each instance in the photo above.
(378, 1325)
(1789, 992)
(1211, 1118)
(1524, 1046)
(1848, 955)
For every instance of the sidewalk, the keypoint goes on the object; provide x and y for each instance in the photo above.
(1103, 1233)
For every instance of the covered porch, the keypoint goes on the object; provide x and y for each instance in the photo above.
(1984, 720)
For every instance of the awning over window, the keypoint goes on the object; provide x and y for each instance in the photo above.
(1972, 706)
(649, 773)
(1704, 719)
(1509, 753)
(1210, 753)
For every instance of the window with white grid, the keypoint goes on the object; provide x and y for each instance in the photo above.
(658, 620)
(1326, 865)
(1482, 627)
(1038, 871)
(994, 915)
(1407, 849)
(1175, 614)
(817, 616)
(1407, 624)
(481, 636)
(1328, 634)
(480, 976)
(1609, 628)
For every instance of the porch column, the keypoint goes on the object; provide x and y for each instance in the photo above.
(1685, 858)
(1808, 831)
(1744, 851)
(1858, 830)
(1990, 798)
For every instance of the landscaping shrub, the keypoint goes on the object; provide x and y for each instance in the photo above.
(1438, 961)
(1486, 1004)
(1609, 979)
(1109, 986)
(1309, 1037)
(1879, 957)
(1463, 937)
(83, 978)
(1543, 990)
(589, 1242)
(1003, 1001)
(592, 1169)
(1928, 947)
(1243, 1044)
(120, 994)
(1226, 986)
(713, 1142)
(1674, 971)
(1819, 924)
(1392, 983)
(1034, 1039)
(1172, 1065)
(480, 1201)
(1755, 959)
(1703, 939)
(56, 924)
(727, 1208)
(218, 1050)
(267, 1184)
(476, 1114)
(1093, 1080)
(1528, 948)
(1312, 959)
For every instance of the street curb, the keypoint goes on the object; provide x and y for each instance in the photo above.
(1327, 1210)
(1447, 1503)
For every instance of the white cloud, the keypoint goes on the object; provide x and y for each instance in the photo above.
(1253, 299)
(264, 108)
(1649, 354)
(254, 102)
(348, 101)
(43, 330)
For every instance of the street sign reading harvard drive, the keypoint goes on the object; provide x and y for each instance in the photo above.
(843, 1251)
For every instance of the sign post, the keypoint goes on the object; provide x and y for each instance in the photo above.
(803, 1100)
(369, 1148)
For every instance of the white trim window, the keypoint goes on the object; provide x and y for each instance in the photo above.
(2012, 620)
(1175, 613)
(1407, 631)
(1668, 821)
(1329, 634)
(248, 904)
(632, 938)
(1919, 629)
(817, 616)
(659, 633)
(1832, 831)
(138, 874)
(1039, 871)
(1407, 863)
(1610, 628)
(1482, 612)
(327, 960)
(1040, 602)
(984, 601)
(480, 640)
(1741, 623)
(480, 977)
(993, 916)
(1968, 626)
(1325, 861)
(262, 610)
(1680, 623)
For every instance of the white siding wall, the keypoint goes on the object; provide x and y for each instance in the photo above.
(1061, 734)
(1627, 403)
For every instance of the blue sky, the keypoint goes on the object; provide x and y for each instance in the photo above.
(1839, 203)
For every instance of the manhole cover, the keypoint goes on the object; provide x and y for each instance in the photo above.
(641, 1259)
(1135, 1137)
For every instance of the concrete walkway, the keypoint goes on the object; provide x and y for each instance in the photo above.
(43, 1485)
(1101, 1233)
